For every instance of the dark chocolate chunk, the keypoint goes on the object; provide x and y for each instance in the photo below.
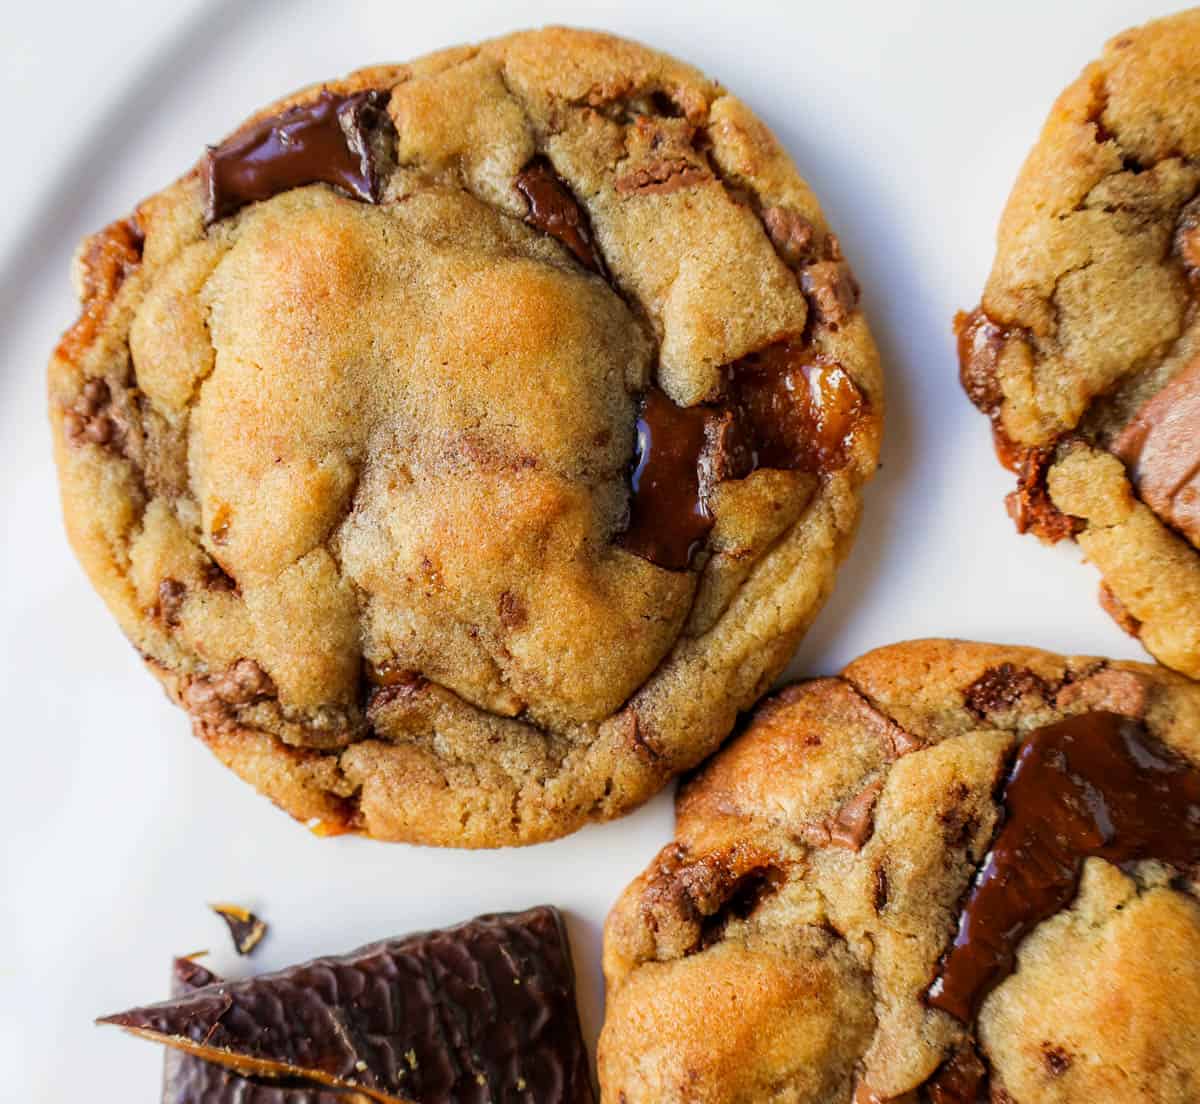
(191, 1080)
(246, 928)
(325, 141)
(555, 211)
(481, 1013)
(1093, 785)
(668, 518)
(1161, 447)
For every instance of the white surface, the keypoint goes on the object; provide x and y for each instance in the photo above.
(909, 119)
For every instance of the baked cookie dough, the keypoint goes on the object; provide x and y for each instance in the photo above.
(464, 443)
(1085, 351)
(957, 869)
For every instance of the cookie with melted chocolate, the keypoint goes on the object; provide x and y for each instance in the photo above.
(956, 872)
(1085, 349)
(464, 443)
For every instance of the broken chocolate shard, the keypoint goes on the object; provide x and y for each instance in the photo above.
(1161, 448)
(478, 1013)
(191, 1080)
(246, 929)
(1094, 785)
(555, 211)
(326, 141)
(668, 517)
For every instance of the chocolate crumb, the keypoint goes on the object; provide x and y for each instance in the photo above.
(246, 929)
(792, 235)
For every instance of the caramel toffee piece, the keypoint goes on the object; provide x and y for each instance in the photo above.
(553, 209)
(1161, 445)
(188, 1079)
(1092, 785)
(482, 1012)
(326, 141)
(465, 443)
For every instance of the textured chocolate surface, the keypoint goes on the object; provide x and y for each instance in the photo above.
(1092, 785)
(191, 1080)
(326, 141)
(478, 1013)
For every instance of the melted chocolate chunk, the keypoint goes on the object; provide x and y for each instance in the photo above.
(326, 141)
(555, 211)
(1161, 447)
(478, 1013)
(668, 518)
(1095, 785)
(785, 407)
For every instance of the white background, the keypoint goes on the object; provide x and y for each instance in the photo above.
(909, 119)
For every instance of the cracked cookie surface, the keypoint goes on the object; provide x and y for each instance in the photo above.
(464, 443)
(1085, 350)
(786, 945)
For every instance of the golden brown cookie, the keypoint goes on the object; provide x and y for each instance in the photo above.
(464, 443)
(1085, 351)
(957, 869)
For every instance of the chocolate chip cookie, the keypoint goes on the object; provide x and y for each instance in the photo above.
(464, 443)
(956, 872)
(1085, 351)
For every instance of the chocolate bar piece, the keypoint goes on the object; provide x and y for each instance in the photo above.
(191, 1080)
(478, 1014)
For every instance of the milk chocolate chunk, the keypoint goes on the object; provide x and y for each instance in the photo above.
(1161, 447)
(1094, 785)
(668, 518)
(481, 1013)
(555, 211)
(191, 1080)
(327, 141)
(246, 929)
